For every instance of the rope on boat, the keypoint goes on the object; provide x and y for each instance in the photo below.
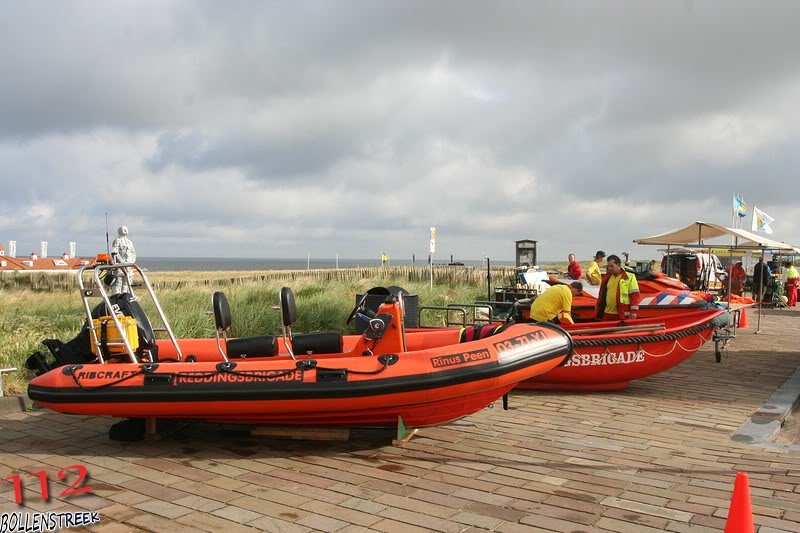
(676, 344)
(641, 339)
(383, 367)
(104, 385)
(303, 365)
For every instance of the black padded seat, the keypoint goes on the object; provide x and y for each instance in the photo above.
(317, 343)
(259, 346)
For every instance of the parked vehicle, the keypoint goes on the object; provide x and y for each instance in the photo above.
(701, 271)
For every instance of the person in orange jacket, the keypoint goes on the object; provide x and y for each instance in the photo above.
(574, 269)
(619, 293)
(738, 277)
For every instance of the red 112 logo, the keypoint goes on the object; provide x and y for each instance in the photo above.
(76, 487)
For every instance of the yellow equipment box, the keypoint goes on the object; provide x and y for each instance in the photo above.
(107, 332)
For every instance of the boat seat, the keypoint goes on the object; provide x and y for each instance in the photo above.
(305, 343)
(317, 342)
(258, 346)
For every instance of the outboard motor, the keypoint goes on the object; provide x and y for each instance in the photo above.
(79, 349)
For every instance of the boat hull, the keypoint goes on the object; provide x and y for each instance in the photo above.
(606, 362)
(429, 386)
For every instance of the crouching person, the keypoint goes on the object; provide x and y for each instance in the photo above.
(556, 303)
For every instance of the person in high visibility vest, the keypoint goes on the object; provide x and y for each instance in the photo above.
(792, 281)
(619, 293)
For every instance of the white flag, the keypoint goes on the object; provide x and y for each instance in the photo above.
(761, 221)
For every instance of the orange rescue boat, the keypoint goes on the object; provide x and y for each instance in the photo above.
(304, 379)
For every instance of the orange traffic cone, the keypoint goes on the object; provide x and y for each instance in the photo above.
(740, 513)
(743, 318)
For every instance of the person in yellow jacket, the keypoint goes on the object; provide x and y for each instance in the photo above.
(619, 293)
(556, 302)
(792, 281)
(593, 275)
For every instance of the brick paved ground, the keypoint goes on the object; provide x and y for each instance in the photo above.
(657, 456)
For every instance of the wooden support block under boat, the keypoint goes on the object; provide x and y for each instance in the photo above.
(404, 434)
(404, 440)
(150, 428)
(302, 433)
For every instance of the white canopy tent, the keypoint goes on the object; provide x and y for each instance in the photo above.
(698, 233)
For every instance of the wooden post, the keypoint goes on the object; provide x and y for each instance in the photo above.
(151, 428)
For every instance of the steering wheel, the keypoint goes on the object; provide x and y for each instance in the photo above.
(359, 307)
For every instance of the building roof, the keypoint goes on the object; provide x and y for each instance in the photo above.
(48, 263)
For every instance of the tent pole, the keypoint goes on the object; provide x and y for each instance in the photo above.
(669, 263)
(760, 289)
(735, 242)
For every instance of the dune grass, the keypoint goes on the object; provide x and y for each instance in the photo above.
(29, 316)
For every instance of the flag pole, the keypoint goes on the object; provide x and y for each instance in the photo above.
(760, 291)
(730, 261)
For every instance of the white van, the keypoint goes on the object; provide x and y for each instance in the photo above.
(700, 270)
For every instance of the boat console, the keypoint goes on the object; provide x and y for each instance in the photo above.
(385, 332)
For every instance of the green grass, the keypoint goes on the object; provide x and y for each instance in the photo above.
(29, 316)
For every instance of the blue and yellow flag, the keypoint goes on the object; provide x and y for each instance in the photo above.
(739, 206)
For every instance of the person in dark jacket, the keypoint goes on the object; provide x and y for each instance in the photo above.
(762, 279)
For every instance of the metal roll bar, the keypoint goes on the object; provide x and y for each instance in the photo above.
(99, 290)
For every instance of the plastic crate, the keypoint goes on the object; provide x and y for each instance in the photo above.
(106, 331)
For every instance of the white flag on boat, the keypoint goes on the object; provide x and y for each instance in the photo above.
(761, 221)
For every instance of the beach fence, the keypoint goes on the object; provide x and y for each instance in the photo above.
(442, 275)
(38, 281)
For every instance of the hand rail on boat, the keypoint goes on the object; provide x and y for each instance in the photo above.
(439, 308)
(99, 290)
(475, 307)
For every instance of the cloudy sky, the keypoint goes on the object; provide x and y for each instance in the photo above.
(275, 129)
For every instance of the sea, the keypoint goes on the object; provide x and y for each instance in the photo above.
(207, 264)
